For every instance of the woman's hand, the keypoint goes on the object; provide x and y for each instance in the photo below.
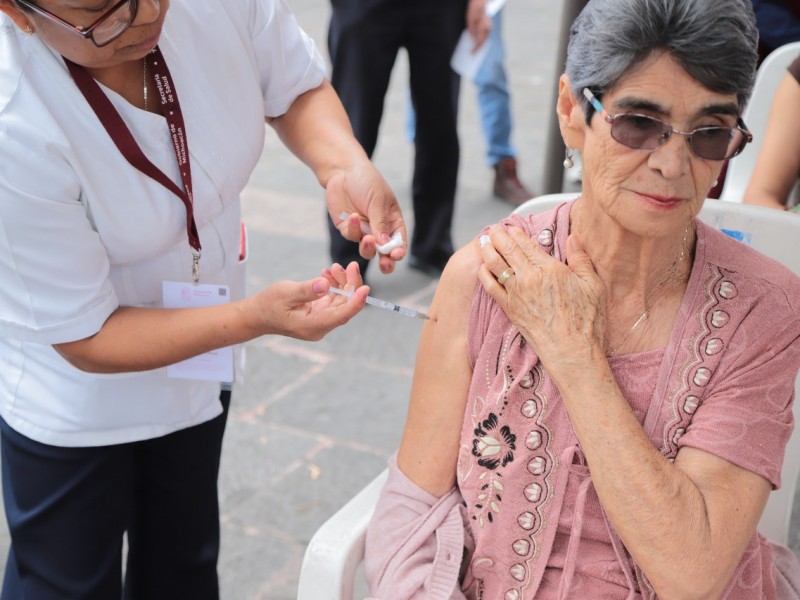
(305, 310)
(559, 309)
(370, 210)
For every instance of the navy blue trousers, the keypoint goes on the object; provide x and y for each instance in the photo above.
(68, 509)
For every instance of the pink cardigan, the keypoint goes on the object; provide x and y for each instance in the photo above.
(525, 517)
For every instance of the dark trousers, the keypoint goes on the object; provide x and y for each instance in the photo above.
(68, 508)
(363, 40)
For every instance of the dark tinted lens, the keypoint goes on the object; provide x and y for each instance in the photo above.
(639, 132)
(715, 143)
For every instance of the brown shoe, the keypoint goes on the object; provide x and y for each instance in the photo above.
(507, 185)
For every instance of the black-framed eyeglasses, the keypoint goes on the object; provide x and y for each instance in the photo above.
(105, 29)
(643, 132)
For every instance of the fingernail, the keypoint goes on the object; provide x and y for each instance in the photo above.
(384, 238)
(318, 287)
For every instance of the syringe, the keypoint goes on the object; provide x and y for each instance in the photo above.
(386, 305)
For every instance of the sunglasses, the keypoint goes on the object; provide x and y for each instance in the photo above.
(642, 132)
(105, 29)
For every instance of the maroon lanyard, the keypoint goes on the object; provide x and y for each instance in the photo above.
(125, 142)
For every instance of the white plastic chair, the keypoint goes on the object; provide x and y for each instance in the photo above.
(755, 116)
(336, 550)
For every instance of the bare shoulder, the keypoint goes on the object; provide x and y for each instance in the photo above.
(442, 375)
(457, 284)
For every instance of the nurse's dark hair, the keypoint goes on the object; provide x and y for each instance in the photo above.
(715, 41)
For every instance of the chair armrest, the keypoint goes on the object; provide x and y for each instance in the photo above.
(337, 548)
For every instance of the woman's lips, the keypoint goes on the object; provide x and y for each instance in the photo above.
(147, 44)
(662, 200)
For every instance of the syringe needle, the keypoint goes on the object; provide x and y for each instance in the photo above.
(386, 305)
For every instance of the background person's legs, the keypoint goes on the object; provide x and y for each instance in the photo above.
(432, 37)
(494, 106)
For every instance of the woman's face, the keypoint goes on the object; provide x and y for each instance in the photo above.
(133, 44)
(653, 192)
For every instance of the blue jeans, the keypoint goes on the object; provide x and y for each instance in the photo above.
(494, 100)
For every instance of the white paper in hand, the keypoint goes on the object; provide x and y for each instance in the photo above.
(465, 62)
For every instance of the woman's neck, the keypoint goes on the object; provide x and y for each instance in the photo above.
(645, 278)
(630, 265)
(128, 80)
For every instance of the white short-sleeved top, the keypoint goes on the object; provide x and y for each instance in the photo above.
(82, 232)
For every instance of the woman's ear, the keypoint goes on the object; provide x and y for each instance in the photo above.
(570, 114)
(20, 19)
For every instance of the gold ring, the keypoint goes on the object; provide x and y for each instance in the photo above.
(505, 276)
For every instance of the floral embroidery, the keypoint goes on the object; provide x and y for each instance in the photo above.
(496, 467)
(489, 497)
(490, 449)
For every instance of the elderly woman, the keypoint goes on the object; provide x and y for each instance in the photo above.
(601, 405)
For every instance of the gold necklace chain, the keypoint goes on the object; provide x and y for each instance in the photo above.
(144, 82)
(643, 317)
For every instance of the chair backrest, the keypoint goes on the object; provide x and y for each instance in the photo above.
(769, 75)
(336, 550)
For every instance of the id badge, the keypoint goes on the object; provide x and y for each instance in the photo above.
(216, 365)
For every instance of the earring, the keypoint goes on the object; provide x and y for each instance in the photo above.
(28, 30)
(568, 162)
(716, 183)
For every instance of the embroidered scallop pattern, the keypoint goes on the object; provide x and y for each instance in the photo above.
(714, 346)
(512, 595)
(537, 465)
(526, 381)
(545, 238)
(518, 572)
(526, 520)
(728, 290)
(701, 376)
(719, 318)
(529, 408)
(521, 547)
(534, 440)
(708, 346)
(533, 492)
(678, 435)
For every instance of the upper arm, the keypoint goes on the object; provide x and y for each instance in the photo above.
(429, 448)
(734, 500)
(778, 162)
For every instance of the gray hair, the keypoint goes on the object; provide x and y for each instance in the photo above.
(715, 41)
